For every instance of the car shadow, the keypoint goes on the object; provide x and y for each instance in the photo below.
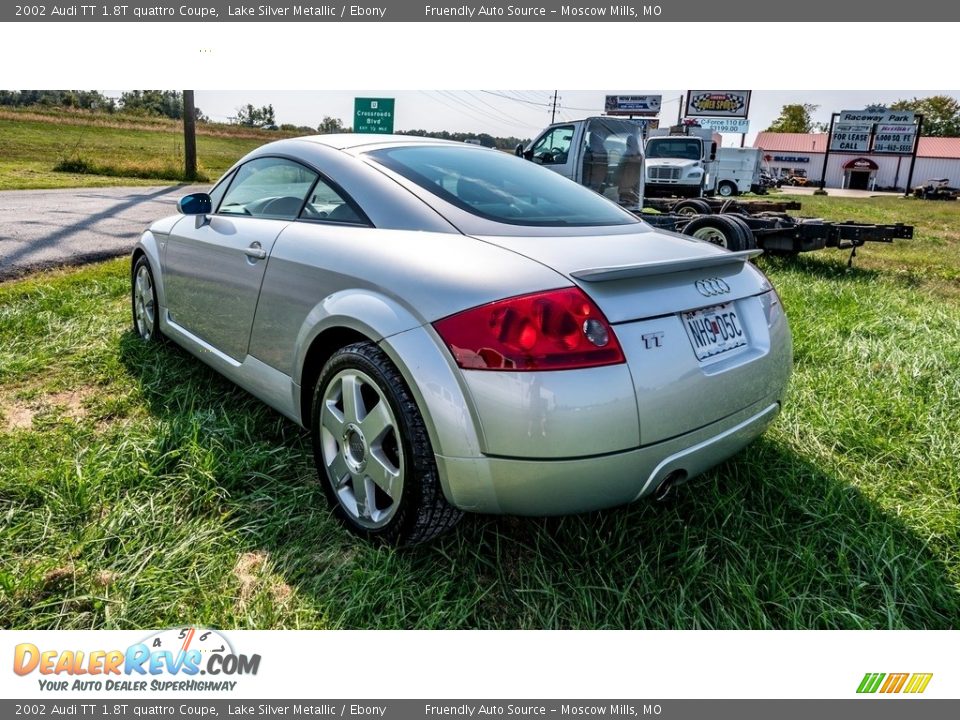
(767, 540)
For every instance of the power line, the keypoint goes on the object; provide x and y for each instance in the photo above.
(528, 102)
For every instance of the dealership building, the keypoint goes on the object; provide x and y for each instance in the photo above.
(802, 154)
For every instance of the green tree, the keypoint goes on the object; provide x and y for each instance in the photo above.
(796, 118)
(254, 116)
(331, 125)
(941, 114)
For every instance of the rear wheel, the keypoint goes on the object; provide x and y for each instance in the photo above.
(723, 230)
(727, 189)
(372, 452)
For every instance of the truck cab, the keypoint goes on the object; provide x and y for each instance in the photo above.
(681, 161)
(603, 153)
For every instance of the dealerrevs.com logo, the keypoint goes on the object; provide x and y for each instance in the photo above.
(889, 683)
(170, 660)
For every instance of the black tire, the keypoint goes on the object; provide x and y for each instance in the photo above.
(749, 240)
(420, 512)
(146, 314)
(692, 206)
(727, 189)
(722, 230)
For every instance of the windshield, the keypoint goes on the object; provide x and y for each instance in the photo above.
(501, 187)
(675, 147)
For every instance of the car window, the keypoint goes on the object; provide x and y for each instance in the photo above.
(327, 204)
(268, 188)
(216, 195)
(501, 187)
(554, 147)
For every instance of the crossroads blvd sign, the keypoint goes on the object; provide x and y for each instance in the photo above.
(373, 115)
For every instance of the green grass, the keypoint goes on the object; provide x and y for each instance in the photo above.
(32, 144)
(139, 489)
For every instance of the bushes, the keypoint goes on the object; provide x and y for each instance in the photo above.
(154, 169)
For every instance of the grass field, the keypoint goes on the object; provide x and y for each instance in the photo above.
(138, 489)
(135, 151)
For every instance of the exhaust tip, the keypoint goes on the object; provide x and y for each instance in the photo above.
(663, 489)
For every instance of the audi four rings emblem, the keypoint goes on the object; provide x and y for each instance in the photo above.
(711, 287)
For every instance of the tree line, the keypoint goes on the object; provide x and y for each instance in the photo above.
(941, 116)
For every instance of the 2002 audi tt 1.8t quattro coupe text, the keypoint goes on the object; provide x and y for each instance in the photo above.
(462, 330)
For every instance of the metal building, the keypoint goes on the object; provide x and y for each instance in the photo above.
(802, 154)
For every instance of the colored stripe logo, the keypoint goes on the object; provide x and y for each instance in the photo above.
(913, 683)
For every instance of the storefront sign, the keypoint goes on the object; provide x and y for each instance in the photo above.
(850, 137)
(632, 104)
(894, 139)
(876, 116)
(791, 158)
(718, 103)
(726, 125)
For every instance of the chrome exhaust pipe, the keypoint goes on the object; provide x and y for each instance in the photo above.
(663, 489)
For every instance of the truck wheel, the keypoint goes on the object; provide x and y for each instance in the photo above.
(727, 189)
(749, 239)
(722, 230)
(691, 207)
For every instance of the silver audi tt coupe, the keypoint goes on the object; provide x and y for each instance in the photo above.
(463, 330)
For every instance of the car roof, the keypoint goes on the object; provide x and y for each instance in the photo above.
(346, 141)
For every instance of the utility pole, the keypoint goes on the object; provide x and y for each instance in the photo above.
(189, 136)
(680, 109)
(553, 114)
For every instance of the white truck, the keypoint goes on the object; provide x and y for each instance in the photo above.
(681, 161)
(738, 171)
(604, 154)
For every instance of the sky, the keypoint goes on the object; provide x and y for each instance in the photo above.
(520, 113)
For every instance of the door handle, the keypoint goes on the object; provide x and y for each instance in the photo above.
(255, 251)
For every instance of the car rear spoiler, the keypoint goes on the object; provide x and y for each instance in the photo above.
(664, 267)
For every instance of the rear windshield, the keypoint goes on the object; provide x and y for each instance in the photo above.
(501, 187)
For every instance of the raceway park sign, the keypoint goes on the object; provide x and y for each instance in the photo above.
(718, 103)
(891, 132)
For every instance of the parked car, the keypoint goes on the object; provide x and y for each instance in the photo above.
(462, 330)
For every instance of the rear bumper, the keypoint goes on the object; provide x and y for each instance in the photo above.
(557, 487)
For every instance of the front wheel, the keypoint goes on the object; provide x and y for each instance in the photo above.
(372, 451)
(143, 299)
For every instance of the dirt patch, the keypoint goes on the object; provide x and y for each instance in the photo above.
(20, 414)
(104, 578)
(247, 571)
(19, 417)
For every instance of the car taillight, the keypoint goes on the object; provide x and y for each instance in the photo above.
(553, 330)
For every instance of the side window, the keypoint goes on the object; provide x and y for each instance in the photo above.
(216, 195)
(328, 205)
(554, 147)
(268, 188)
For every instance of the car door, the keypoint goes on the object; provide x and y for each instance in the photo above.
(214, 264)
(555, 149)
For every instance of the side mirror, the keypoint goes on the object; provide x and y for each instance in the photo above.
(195, 204)
(518, 150)
(713, 151)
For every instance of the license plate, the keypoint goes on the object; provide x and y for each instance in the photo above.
(714, 330)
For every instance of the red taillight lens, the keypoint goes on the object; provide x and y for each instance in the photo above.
(552, 330)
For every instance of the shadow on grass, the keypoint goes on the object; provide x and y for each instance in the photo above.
(767, 540)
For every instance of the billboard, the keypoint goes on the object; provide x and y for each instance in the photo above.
(718, 103)
(632, 104)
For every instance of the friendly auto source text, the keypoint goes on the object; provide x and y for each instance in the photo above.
(481, 11)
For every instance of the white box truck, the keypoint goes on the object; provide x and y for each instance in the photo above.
(681, 161)
(738, 171)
